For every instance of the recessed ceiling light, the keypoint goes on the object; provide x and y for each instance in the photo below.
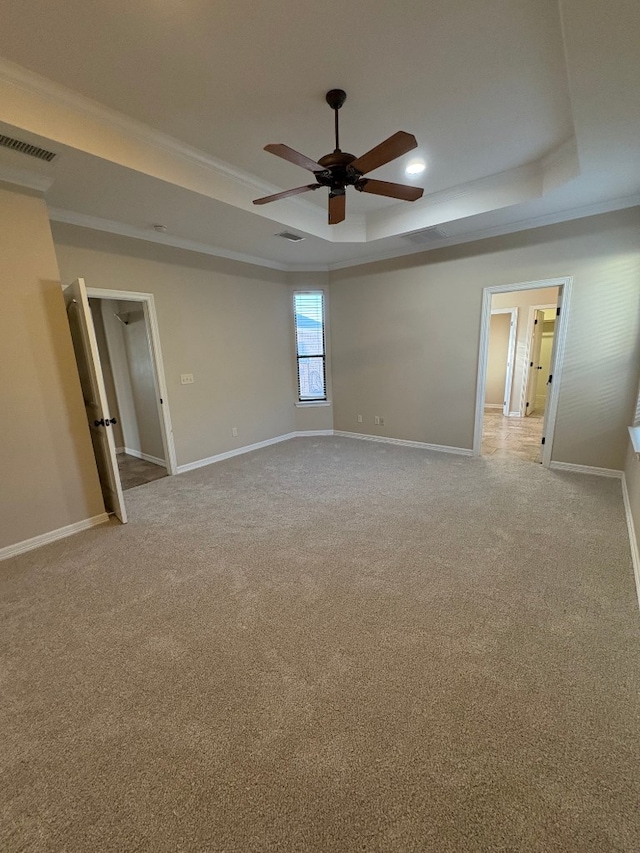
(415, 167)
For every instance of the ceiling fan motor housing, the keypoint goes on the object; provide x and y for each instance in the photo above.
(339, 174)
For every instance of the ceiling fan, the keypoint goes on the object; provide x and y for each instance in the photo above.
(340, 170)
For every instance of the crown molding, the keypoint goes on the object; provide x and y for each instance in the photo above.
(555, 218)
(69, 217)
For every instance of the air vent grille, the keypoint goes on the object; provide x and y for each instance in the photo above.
(287, 235)
(426, 236)
(26, 148)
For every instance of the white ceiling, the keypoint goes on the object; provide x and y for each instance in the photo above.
(525, 111)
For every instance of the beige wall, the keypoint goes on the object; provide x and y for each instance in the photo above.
(405, 335)
(230, 324)
(47, 471)
(497, 356)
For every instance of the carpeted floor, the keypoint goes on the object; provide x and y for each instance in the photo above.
(328, 645)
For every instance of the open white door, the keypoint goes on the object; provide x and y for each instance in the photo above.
(552, 397)
(534, 362)
(95, 396)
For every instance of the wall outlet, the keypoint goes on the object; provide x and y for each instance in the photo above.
(234, 432)
(381, 421)
(186, 378)
(376, 420)
(359, 419)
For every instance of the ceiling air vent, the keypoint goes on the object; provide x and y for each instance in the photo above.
(26, 148)
(292, 238)
(426, 236)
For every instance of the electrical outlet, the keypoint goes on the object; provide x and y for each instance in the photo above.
(381, 421)
(376, 420)
(186, 378)
(234, 432)
(359, 419)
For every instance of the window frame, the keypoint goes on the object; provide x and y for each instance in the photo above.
(311, 401)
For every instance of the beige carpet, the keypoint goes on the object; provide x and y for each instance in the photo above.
(328, 645)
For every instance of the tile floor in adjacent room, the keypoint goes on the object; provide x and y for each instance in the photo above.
(509, 437)
(136, 472)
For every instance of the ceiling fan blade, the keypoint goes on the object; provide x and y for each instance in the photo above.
(394, 146)
(266, 199)
(292, 156)
(337, 208)
(401, 191)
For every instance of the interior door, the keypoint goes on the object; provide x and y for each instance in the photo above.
(534, 362)
(95, 396)
(554, 348)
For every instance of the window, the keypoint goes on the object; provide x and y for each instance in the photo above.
(308, 310)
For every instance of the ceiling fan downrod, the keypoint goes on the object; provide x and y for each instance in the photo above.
(335, 99)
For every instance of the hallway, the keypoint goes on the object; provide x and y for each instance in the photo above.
(509, 437)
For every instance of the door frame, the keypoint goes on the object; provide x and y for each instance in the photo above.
(564, 296)
(153, 338)
(527, 366)
(511, 355)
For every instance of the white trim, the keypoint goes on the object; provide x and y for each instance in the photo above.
(556, 218)
(440, 448)
(146, 456)
(634, 434)
(561, 332)
(82, 220)
(238, 451)
(310, 404)
(153, 337)
(586, 469)
(52, 536)
(633, 539)
(493, 406)
(304, 433)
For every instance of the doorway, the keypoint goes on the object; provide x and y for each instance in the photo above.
(127, 367)
(115, 420)
(519, 369)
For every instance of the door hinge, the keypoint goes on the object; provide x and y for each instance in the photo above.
(535, 322)
(527, 406)
(161, 401)
(558, 311)
(530, 364)
(543, 440)
(550, 379)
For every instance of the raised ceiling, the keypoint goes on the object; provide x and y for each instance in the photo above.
(525, 111)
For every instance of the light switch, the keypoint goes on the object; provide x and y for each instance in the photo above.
(186, 378)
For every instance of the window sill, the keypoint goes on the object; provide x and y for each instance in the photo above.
(634, 432)
(307, 404)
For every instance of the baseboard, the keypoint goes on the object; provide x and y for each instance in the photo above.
(493, 406)
(441, 448)
(586, 469)
(119, 449)
(633, 539)
(517, 414)
(238, 451)
(52, 536)
(146, 456)
(304, 433)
